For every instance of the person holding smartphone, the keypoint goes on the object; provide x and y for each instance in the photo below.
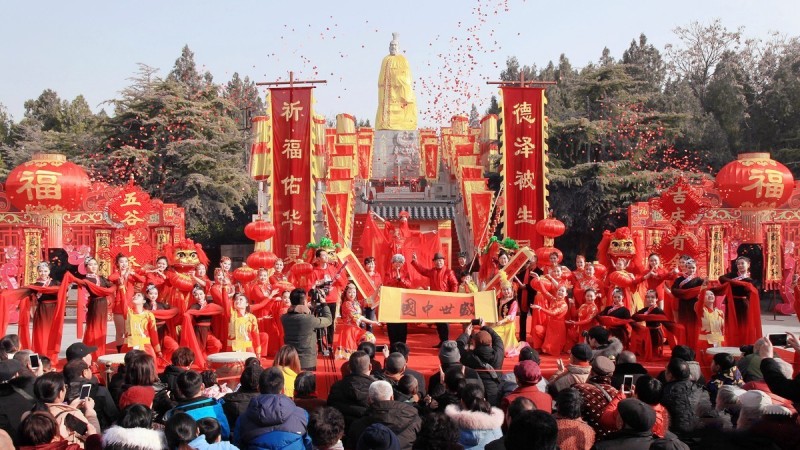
(76, 420)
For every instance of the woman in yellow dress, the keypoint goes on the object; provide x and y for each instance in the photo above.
(140, 329)
(243, 335)
(506, 325)
(712, 323)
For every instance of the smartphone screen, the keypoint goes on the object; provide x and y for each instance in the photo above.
(380, 348)
(85, 390)
(779, 340)
(34, 361)
(627, 384)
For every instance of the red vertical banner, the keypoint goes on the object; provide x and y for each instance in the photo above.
(479, 215)
(431, 160)
(523, 163)
(293, 183)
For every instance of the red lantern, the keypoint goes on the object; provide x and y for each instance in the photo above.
(49, 182)
(245, 274)
(550, 227)
(543, 255)
(259, 230)
(262, 260)
(755, 182)
(302, 268)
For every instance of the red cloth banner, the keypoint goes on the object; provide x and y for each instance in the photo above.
(357, 273)
(523, 163)
(471, 172)
(480, 213)
(133, 243)
(364, 160)
(431, 154)
(293, 183)
(515, 264)
(336, 212)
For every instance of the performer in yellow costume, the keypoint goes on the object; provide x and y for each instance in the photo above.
(397, 104)
(712, 323)
(140, 329)
(243, 335)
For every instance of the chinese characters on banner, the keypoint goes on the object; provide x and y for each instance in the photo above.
(292, 186)
(523, 163)
(422, 306)
(132, 208)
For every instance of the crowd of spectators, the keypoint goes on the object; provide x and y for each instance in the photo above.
(601, 397)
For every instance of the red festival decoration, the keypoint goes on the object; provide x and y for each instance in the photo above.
(293, 185)
(244, 274)
(262, 260)
(550, 227)
(676, 243)
(755, 181)
(259, 230)
(523, 163)
(131, 207)
(681, 204)
(48, 181)
(133, 243)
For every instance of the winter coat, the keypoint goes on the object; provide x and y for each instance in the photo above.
(476, 429)
(118, 438)
(626, 439)
(779, 384)
(170, 376)
(235, 404)
(436, 379)
(487, 361)
(299, 333)
(200, 408)
(401, 418)
(542, 400)
(200, 443)
(686, 403)
(15, 399)
(573, 375)
(350, 396)
(272, 421)
(610, 350)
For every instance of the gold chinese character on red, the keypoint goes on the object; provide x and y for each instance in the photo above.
(291, 111)
(523, 112)
(40, 184)
(767, 183)
(292, 149)
(525, 146)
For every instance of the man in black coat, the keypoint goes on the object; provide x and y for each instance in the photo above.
(76, 374)
(400, 417)
(235, 403)
(350, 394)
(300, 327)
(16, 396)
(771, 369)
(685, 401)
(484, 352)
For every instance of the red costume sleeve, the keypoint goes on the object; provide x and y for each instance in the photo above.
(687, 315)
(188, 337)
(153, 332)
(424, 271)
(57, 326)
(452, 282)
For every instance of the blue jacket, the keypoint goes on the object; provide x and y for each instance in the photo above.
(201, 408)
(272, 421)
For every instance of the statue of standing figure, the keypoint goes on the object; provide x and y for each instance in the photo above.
(397, 104)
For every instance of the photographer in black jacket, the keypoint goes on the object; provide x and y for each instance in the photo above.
(300, 325)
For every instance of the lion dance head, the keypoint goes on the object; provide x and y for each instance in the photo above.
(185, 255)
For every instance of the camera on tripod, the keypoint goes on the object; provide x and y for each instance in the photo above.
(320, 293)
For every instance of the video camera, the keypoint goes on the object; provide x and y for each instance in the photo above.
(320, 293)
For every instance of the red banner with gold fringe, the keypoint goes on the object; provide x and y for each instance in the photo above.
(523, 163)
(293, 183)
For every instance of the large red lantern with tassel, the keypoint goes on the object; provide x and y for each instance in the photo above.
(262, 260)
(550, 227)
(755, 181)
(259, 230)
(245, 274)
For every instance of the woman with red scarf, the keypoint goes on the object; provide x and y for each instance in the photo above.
(262, 296)
(369, 305)
(46, 304)
(654, 280)
(162, 313)
(584, 317)
(554, 330)
(196, 330)
(97, 310)
(686, 289)
(624, 281)
(125, 279)
(158, 277)
(277, 273)
(546, 287)
(200, 276)
(648, 338)
(616, 317)
(743, 315)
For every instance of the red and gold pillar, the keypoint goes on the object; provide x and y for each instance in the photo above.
(33, 254)
(102, 246)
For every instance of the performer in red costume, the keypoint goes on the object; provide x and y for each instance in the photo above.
(262, 295)
(196, 330)
(46, 304)
(624, 281)
(125, 278)
(584, 282)
(686, 290)
(546, 287)
(184, 257)
(326, 272)
(277, 273)
(243, 334)
(647, 340)
(584, 317)
(743, 314)
(400, 238)
(398, 277)
(616, 317)
(351, 334)
(369, 305)
(162, 312)
(527, 293)
(25, 297)
(654, 279)
(97, 311)
(158, 277)
(200, 277)
(553, 332)
(441, 279)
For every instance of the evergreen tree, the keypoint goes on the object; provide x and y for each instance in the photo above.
(185, 73)
(474, 117)
(181, 148)
(243, 93)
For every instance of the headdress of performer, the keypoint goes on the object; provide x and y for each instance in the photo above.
(504, 282)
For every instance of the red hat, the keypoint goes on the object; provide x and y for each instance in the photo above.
(143, 395)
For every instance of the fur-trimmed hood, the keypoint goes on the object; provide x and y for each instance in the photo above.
(475, 420)
(610, 350)
(119, 438)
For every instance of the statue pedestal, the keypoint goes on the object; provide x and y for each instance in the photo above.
(395, 155)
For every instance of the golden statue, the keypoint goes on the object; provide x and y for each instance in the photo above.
(397, 104)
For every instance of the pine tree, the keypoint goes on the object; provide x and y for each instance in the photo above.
(474, 117)
(181, 148)
(243, 93)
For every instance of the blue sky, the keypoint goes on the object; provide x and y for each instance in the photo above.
(93, 47)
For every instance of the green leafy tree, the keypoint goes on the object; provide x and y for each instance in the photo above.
(644, 64)
(185, 73)
(182, 148)
(243, 93)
